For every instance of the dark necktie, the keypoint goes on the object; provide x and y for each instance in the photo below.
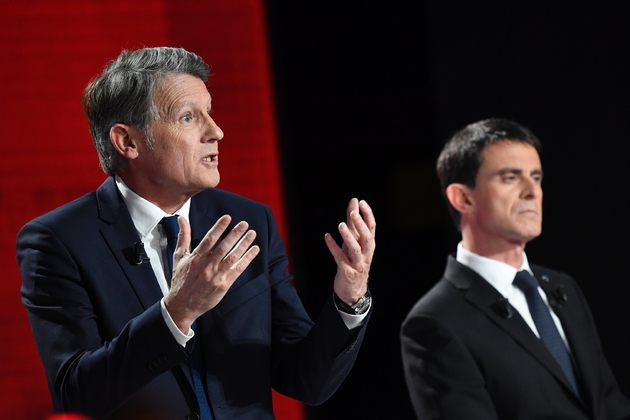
(171, 229)
(549, 334)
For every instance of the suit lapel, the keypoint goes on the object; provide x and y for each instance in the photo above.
(120, 235)
(485, 298)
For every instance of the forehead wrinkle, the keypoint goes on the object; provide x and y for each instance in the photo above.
(172, 93)
(174, 108)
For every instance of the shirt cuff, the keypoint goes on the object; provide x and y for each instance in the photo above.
(353, 321)
(179, 336)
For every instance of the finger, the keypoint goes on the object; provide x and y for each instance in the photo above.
(353, 206)
(183, 240)
(244, 261)
(243, 253)
(337, 253)
(213, 235)
(239, 249)
(365, 235)
(224, 247)
(351, 245)
(238, 267)
(368, 216)
(237, 260)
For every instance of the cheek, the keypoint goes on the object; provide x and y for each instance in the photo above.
(501, 207)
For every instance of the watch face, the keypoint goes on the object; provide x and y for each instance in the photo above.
(359, 303)
(362, 304)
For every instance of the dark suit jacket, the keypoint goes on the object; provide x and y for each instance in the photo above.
(464, 358)
(107, 351)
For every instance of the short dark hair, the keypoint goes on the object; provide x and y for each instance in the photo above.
(124, 93)
(461, 157)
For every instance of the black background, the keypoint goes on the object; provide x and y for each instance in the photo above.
(368, 92)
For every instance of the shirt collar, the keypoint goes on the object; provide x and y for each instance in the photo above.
(499, 274)
(146, 215)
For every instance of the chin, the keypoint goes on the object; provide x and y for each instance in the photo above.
(531, 235)
(211, 182)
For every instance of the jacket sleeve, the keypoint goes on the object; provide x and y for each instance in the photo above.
(309, 361)
(609, 403)
(86, 372)
(443, 380)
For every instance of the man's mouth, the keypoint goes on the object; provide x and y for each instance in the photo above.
(211, 158)
(529, 212)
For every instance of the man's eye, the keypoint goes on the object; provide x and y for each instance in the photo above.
(187, 118)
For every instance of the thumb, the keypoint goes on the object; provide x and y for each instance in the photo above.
(183, 240)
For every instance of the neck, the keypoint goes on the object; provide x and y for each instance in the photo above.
(168, 204)
(508, 252)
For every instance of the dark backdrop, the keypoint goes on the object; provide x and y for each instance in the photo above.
(367, 92)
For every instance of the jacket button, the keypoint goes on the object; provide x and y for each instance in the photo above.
(192, 416)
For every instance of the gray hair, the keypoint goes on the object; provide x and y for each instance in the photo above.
(124, 93)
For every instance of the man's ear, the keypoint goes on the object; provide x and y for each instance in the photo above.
(460, 197)
(125, 140)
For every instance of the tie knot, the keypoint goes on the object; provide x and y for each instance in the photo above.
(171, 228)
(525, 281)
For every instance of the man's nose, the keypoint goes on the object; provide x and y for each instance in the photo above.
(212, 131)
(531, 188)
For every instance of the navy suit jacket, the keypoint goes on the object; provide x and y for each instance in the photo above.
(107, 351)
(466, 357)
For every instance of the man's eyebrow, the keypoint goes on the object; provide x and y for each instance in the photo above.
(509, 171)
(179, 107)
(191, 104)
(518, 171)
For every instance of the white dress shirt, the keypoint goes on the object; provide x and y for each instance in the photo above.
(501, 276)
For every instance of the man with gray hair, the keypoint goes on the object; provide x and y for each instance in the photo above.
(158, 296)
